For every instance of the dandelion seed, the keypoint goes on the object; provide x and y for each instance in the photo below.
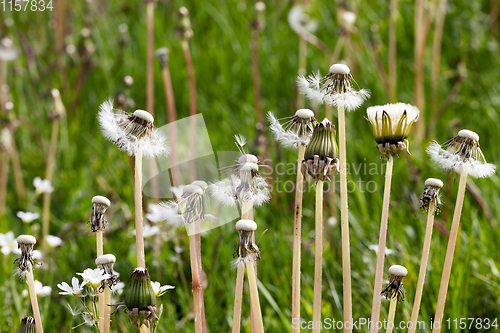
(462, 152)
(334, 89)
(297, 130)
(131, 131)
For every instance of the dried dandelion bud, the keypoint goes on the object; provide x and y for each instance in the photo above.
(59, 109)
(27, 325)
(162, 54)
(25, 244)
(99, 206)
(395, 288)
(321, 153)
(431, 195)
(140, 300)
(247, 249)
(462, 153)
(391, 126)
(184, 31)
(106, 263)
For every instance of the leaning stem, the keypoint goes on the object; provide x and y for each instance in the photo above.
(192, 107)
(423, 266)
(197, 280)
(392, 312)
(297, 240)
(238, 297)
(302, 67)
(392, 51)
(318, 256)
(344, 219)
(48, 175)
(139, 238)
(257, 322)
(448, 261)
(34, 301)
(381, 246)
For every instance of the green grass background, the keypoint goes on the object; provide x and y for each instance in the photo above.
(222, 58)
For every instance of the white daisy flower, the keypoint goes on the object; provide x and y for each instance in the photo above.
(27, 217)
(295, 131)
(160, 290)
(462, 153)
(93, 277)
(42, 186)
(76, 289)
(148, 231)
(40, 290)
(131, 131)
(8, 51)
(9, 243)
(53, 241)
(374, 247)
(334, 89)
(37, 255)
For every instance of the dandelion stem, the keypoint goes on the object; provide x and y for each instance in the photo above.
(197, 279)
(297, 240)
(238, 297)
(302, 67)
(107, 313)
(48, 175)
(246, 210)
(102, 305)
(423, 266)
(139, 239)
(143, 329)
(392, 51)
(379, 273)
(254, 298)
(34, 301)
(344, 218)
(392, 312)
(318, 256)
(448, 261)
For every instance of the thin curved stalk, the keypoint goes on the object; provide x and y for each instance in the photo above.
(139, 238)
(34, 301)
(318, 257)
(423, 266)
(102, 304)
(450, 251)
(257, 322)
(297, 241)
(238, 297)
(379, 273)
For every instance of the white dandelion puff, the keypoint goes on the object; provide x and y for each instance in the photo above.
(295, 131)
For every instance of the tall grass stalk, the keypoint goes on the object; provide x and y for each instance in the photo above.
(450, 251)
(318, 256)
(4, 155)
(423, 265)
(436, 54)
(238, 297)
(392, 312)
(139, 239)
(297, 240)
(379, 273)
(344, 218)
(392, 51)
(34, 302)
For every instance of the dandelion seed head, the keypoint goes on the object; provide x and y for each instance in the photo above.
(246, 225)
(246, 247)
(295, 131)
(304, 113)
(339, 69)
(395, 288)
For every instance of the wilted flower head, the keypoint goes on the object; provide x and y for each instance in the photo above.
(160, 290)
(106, 263)
(462, 153)
(25, 243)
(247, 249)
(244, 182)
(131, 131)
(140, 299)
(395, 288)
(99, 206)
(321, 153)
(27, 325)
(94, 277)
(76, 289)
(431, 195)
(42, 186)
(27, 217)
(334, 89)
(296, 131)
(391, 126)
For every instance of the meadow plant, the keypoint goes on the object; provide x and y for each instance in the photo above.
(394, 292)
(106, 262)
(462, 155)
(431, 204)
(391, 126)
(28, 325)
(320, 158)
(295, 132)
